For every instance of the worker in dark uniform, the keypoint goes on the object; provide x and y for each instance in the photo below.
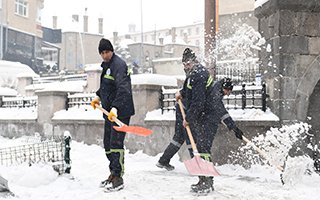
(115, 94)
(198, 95)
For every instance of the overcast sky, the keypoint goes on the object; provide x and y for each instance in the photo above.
(118, 14)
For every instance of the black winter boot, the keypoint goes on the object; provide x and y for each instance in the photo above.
(205, 185)
(166, 157)
(167, 166)
(116, 184)
(106, 182)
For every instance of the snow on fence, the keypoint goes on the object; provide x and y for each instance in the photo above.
(20, 102)
(241, 97)
(79, 99)
(32, 101)
(238, 70)
(51, 151)
(51, 79)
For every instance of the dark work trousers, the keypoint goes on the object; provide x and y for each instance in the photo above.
(114, 147)
(178, 139)
(205, 130)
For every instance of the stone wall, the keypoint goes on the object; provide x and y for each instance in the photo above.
(91, 132)
(291, 65)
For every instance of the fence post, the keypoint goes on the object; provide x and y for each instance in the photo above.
(264, 97)
(67, 102)
(67, 141)
(161, 100)
(243, 96)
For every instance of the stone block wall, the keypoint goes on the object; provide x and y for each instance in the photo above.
(290, 67)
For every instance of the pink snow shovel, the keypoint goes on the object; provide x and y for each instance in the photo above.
(197, 166)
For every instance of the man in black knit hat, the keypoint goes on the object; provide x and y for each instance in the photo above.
(115, 94)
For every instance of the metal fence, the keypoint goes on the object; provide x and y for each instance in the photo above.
(51, 151)
(19, 102)
(240, 71)
(74, 77)
(32, 101)
(241, 97)
(79, 99)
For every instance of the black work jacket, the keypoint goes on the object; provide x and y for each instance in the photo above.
(195, 90)
(115, 87)
(217, 108)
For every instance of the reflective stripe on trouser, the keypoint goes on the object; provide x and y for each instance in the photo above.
(206, 156)
(116, 158)
(114, 147)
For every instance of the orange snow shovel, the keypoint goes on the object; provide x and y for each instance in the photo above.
(197, 166)
(122, 127)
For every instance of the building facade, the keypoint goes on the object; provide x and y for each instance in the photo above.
(21, 32)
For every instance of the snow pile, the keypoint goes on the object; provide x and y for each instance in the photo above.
(296, 169)
(279, 146)
(82, 112)
(236, 114)
(18, 113)
(32, 176)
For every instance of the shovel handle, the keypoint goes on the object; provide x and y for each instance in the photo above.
(262, 153)
(116, 120)
(193, 144)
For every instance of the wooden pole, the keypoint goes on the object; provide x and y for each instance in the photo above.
(211, 27)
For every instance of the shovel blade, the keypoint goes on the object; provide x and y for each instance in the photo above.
(138, 130)
(199, 167)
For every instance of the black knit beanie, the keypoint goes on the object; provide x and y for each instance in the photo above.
(104, 45)
(188, 55)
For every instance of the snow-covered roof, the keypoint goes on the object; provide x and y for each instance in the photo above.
(8, 92)
(9, 71)
(67, 86)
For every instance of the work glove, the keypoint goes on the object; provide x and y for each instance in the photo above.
(238, 133)
(113, 113)
(95, 101)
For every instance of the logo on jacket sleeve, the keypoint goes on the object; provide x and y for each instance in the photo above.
(108, 74)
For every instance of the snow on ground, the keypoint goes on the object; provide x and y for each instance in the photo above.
(143, 180)
(18, 113)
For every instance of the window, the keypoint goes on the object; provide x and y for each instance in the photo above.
(21, 7)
